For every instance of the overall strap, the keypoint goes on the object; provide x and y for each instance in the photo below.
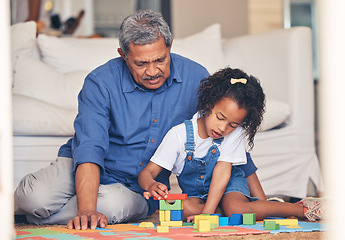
(218, 140)
(190, 136)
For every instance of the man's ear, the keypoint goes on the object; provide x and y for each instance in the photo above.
(119, 50)
(171, 43)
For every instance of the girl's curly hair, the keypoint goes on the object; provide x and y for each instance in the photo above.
(249, 96)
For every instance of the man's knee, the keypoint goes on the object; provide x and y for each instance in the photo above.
(30, 196)
(120, 204)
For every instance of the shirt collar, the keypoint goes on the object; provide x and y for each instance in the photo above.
(129, 84)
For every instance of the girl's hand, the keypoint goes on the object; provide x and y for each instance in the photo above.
(157, 190)
(190, 219)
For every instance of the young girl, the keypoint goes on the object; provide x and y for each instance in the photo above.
(204, 153)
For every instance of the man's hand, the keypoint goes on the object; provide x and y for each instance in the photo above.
(157, 190)
(90, 219)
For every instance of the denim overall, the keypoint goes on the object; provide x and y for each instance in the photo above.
(195, 178)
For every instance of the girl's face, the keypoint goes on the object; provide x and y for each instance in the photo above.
(224, 118)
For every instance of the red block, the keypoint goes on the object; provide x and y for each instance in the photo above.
(181, 196)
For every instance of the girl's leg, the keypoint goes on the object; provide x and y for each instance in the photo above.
(235, 202)
(194, 206)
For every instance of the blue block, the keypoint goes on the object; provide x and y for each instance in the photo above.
(224, 221)
(236, 219)
(176, 215)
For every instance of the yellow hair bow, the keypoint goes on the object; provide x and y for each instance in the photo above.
(240, 80)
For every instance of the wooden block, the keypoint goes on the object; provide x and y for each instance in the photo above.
(162, 229)
(224, 221)
(214, 219)
(172, 223)
(236, 219)
(167, 215)
(146, 225)
(249, 218)
(284, 222)
(271, 225)
(161, 215)
(204, 225)
(176, 215)
(164, 205)
(181, 196)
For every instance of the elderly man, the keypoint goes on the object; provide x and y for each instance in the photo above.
(126, 106)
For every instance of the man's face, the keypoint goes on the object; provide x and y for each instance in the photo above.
(149, 64)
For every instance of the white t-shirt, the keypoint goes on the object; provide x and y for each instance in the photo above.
(171, 152)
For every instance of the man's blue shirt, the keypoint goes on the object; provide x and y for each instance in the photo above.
(119, 124)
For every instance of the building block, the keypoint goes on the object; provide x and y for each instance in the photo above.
(204, 225)
(271, 225)
(172, 223)
(214, 219)
(236, 219)
(164, 205)
(224, 221)
(181, 196)
(249, 218)
(187, 223)
(161, 215)
(146, 225)
(162, 229)
(176, 215)
(284, 222)
(167, 215)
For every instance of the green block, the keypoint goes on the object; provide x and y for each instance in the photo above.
(187, 224)
(271, 225)
(164, 205)
(249, 218)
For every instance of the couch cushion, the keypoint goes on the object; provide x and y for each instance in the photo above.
(23, 39)
(35, 117)
(36, 79)
(276, 113)
(70, 54)
(204, 47)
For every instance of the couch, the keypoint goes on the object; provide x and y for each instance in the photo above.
(48, 73)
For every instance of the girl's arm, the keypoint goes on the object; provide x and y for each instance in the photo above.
(220, 179)
(255, 187)
(147, 182)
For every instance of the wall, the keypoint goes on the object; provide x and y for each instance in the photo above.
(265, 15)
(191, 16)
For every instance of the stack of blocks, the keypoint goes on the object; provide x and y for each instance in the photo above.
(171, 215)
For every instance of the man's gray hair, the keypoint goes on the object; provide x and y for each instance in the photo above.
(143, 27)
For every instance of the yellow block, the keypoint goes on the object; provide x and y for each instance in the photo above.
(146, 225)
(284, 222)
(204, 225)
(172, 223)
(161, 215)
(162, 229)
(214, 219)
(167, 215)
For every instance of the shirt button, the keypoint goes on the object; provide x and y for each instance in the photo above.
(214, 150)
(154, 120)
(141, 164)
(202, 177)
(189, 158)
(152, 140)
